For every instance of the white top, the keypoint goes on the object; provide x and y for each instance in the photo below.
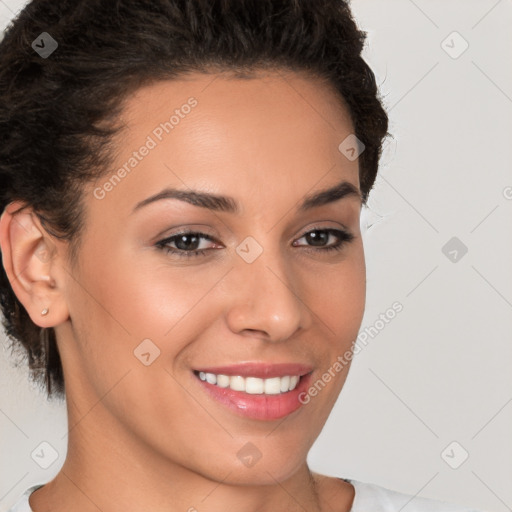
(368, 498)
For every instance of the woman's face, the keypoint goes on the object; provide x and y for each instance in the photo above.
(269, 292)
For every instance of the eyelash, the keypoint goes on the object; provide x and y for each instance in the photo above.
(344, 237)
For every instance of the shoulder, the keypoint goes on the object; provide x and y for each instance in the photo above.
(373, 497)
(22, 505)
(368, 496)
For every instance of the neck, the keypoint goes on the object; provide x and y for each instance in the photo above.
(108, 469)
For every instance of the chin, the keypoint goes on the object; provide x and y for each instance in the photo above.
(251, 466)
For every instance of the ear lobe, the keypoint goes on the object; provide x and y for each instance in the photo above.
(31, 262)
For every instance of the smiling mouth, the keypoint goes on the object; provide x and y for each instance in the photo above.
(251, 385)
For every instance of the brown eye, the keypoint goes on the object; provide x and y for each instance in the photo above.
(185, 244)
(319, 239)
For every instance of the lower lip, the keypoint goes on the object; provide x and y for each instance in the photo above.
(259, 407)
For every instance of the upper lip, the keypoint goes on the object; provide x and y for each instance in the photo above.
(259, 369)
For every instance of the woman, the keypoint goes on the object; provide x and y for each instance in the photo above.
(181, 189)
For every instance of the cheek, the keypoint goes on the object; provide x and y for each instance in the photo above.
(337, 296)
(132, 308)
(338, 304)
(144, 297)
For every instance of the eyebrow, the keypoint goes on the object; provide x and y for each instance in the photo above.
(228, 204)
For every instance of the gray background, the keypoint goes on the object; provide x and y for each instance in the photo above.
(439, 372)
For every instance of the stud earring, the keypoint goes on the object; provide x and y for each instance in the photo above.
(45, 311)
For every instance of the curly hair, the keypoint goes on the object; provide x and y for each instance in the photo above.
(57, 114)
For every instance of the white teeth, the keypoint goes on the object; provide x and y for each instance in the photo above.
(293, 382)
(273, 386)
(285, 384)
(237, 383)
(223, 381)
(253, 385)
(211, 378)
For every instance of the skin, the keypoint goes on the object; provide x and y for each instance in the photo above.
(148, 437)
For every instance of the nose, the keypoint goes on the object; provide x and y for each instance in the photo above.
(264, 299)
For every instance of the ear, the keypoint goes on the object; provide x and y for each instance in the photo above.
(33, 265)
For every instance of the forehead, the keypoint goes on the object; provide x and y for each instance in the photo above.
(219, 133)
(292, 104)
(288, 89)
